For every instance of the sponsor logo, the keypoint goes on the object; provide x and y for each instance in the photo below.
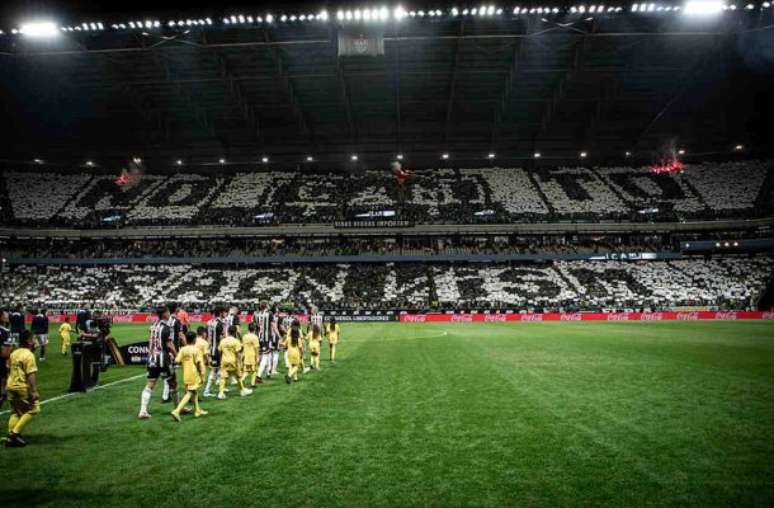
(767, 315)
(125, 318)
(725, 315)
(623, 316)
(651, 316)
(494, 317)
(462, 317)
(688, 316)
(573, 316)
(137, 350)
(415, 318)
(532, 317)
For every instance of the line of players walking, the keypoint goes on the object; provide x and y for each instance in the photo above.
(244, 359)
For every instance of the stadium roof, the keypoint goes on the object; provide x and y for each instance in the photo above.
(557, 81)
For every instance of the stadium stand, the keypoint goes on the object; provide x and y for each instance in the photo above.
(727, 283)
(702, 191)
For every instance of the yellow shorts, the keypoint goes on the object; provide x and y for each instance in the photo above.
(193, 387)
(20, 402)
(228, 369)
(250, 367)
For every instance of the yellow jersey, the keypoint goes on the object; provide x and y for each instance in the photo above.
(250, 346)
(64, 330)
(333, 333)
(314, 342)
(229, 349)
(191, 360)
(203, 346)
(21, 363)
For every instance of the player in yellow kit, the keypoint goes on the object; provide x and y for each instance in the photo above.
(64, 335)
(190, 358)
(22, 388)
(203, 346)
(230, 349)
(314, 339)
(293, 343)
(250, 354)
(334, 334)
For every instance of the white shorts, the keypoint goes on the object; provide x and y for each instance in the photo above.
(42, 339)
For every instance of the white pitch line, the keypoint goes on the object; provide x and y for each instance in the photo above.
(71, 394)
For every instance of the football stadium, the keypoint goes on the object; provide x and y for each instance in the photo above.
(387, 254)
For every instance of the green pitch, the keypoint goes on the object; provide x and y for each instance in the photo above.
(529, 414)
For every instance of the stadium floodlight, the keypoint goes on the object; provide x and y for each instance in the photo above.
(538, 155)
(323, 16)
(208, 21)
(726, 244)
(749, 7)
(169, 23)
(490, 156)
(309, 158)
(455, 12)
(739, 147)
(249, 19)
(39, 29)
(90, 164)
(37, 161)
(736, 244)
(353, 157)
(222, 160)
(269, 18)
(137, 160)
(264, 159)
(444, 156)
(399, 156)
(399, 13)
(628, 154)
(179, 162)
(702, 7)
(717, 244)
(681, 152)
(583, 155)
(465, 12)
(293, 18)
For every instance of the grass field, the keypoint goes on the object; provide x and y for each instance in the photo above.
(531, 414)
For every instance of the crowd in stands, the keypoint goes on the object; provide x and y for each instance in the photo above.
(333, 246)
(725, 283)
(702, 191)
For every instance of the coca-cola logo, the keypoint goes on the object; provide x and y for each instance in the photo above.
(415, 318)
(725, 315)
(767, 315)
(573, 316)
(651, 316)
(688, 316)
(462, 317)
(532, 317)
(494, 317)
(126, 318)
(624, 316)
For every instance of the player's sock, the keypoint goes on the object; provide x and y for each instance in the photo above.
(197, 408)
(333, 353)
(145, 399)
(175, 395)
(23, 421)
(165, 391)
(241, 384)
(12, 421)
(183, 403)
(222, 386)
(210, 380)
(42, 352)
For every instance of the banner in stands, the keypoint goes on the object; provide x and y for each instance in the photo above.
(147, 317)
(588, 316)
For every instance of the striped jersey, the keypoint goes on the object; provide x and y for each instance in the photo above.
(215, 332)
(232, 320)
(158, 343)
(262, 320)
(316, 319)
(287, 322)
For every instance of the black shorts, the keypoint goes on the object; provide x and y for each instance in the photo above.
(215, 359)
(3, 369)
(165, 372)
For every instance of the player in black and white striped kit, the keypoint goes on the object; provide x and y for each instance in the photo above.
(179, 340)
(232, 319)
(216, 330)
(263, 320)
(161, 354)
(6, 345)
(276, 338)
(315, 318)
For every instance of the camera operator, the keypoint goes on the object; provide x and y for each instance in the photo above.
(97, 330)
